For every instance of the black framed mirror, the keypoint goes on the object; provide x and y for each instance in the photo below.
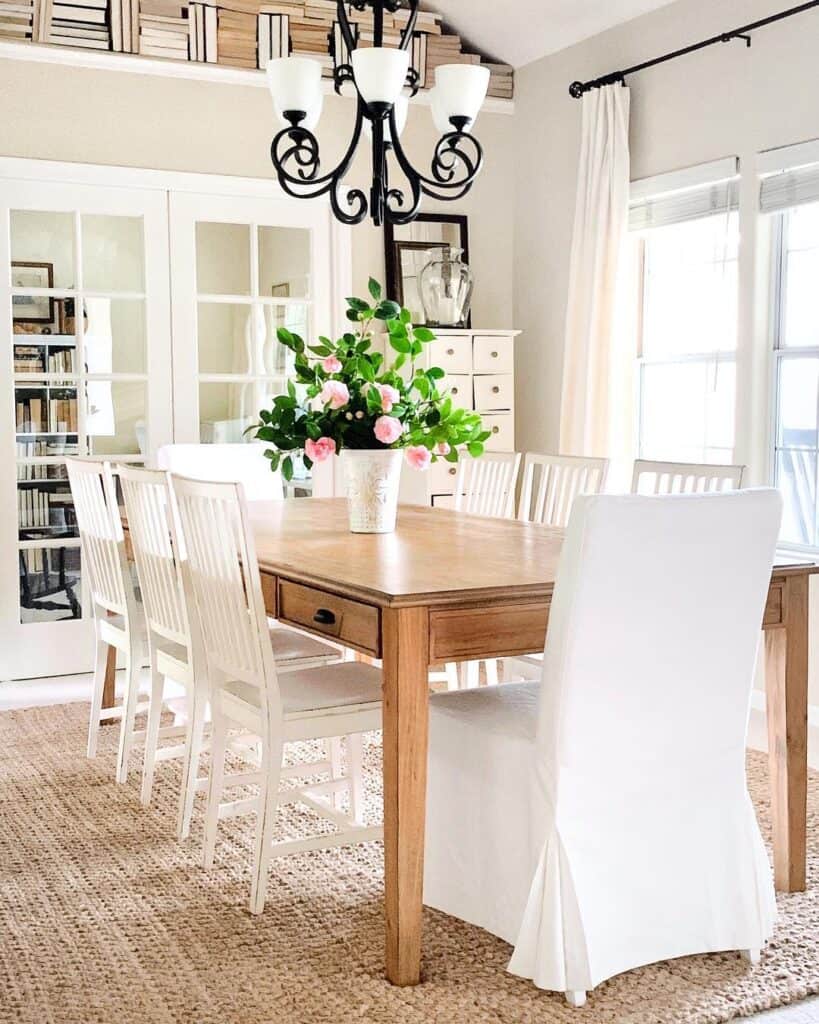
(406, 252)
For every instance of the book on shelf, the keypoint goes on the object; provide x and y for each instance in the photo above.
(274, 37)
(418, 57)
(202, 40)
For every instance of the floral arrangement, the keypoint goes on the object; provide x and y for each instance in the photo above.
(347, 395)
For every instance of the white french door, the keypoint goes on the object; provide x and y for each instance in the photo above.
(242, 268)
(84, 318)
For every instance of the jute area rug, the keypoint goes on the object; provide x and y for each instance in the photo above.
(106, 919)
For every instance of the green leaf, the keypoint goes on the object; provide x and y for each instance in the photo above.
(291, 389)
(399, 361)
(357, 304)
(352, 315)
(366, 369)
(387, 310)
(285, 337)
(475, 449)
(287, 468)
(321, 350)
(400, 344)
(374, 289)
(423, 334)
(406, 317)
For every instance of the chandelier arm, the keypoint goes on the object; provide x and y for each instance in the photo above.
(395, 210)
(409, 28)
(344, 22)
(448, 155)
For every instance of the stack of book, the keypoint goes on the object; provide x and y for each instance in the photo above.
(30, 415)
(18, 19)
(202, 41)
(163, 29)
(237, 30)
(32, 450)
(28, 359)
(61, 361)
(79, 23)
(33, 507)
(501, 81)
(445, 49)
(62, 415)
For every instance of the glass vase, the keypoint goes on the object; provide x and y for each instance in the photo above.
(446, 284)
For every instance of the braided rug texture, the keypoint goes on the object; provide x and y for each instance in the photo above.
(106, 919)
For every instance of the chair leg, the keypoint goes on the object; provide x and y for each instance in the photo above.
(469, 674)
(355, 774)
(265, 823)
(334, 756)
(452, 682)
(152, 735)
(126, 731)
(576, 998)
(753, 955)
(100, 663)
(491, 666)
(215, 785)
(190, 768)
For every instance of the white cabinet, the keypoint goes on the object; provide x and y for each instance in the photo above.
(480, 374)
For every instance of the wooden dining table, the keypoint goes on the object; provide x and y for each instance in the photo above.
(449, 587)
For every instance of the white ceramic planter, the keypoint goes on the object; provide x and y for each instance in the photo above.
(372, 478)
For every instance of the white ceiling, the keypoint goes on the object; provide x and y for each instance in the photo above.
(520, 31)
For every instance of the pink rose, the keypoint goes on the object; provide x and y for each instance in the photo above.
(442, 448)
(332, 364)
(418, 456)
(335, 393)
(390, 396)
(388, 429)
(321, 450)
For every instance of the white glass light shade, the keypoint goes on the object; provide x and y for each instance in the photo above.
(461, 89)
(401, 111)
(442, 125)
(295, 82)
(313, 114)
(380, 73)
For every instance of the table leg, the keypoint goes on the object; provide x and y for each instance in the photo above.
(786, 684)
(108, 698)
(405, 642)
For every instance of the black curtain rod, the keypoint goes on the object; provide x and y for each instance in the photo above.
(576, 89)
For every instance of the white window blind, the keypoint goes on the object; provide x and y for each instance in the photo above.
(685, 195)
(789, 188)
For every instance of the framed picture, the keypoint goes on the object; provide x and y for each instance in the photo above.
(407, 248)
(281, 291)
(32, 309)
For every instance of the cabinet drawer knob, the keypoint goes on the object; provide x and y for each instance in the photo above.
(454, 391)
(324, 617)
(496, 390)
(494, 355)
(450, 351)
(495, 430)
(452, 471)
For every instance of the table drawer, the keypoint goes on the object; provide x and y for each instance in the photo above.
(453, 354)
(495, 391)
(352, 623)
(501, 433)
(493, 354)
(460, 387)
(503, 631)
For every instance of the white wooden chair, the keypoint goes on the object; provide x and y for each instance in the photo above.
(249, 694)
(486, 486)
(118, 618)
(173, 630)
(239, 463)
(604, 822)
(552, 482)
(684, 477)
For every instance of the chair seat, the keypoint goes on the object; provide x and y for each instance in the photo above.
(481, 854)
(288, 645)
(312, 690)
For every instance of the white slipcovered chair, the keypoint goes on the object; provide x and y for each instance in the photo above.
(601, 820)
(236, 463)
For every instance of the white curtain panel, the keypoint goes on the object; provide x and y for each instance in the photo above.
(595, 409)
(600, 821)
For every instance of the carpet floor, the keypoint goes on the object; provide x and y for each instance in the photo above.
(106, 919)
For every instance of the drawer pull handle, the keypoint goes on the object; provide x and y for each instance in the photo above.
(496, 390)
(324, 617)
(450, 351)
(453, 471)
(494, 355)
(454, 391)
(495, 430)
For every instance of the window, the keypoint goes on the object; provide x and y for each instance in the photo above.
(687, 328)
(796, 352)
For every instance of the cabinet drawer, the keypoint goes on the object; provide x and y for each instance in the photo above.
(501, 433)
(460, 387)
(453, 354)
(493, 354)
(350, 622)
(442, 477)
(496, 391)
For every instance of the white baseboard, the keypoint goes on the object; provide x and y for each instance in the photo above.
(757, 728)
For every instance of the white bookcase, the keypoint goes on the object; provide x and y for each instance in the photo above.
(480, 371)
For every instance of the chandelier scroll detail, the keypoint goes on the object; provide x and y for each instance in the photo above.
(383, 82)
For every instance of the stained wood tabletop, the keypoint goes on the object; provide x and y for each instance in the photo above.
(434, 557)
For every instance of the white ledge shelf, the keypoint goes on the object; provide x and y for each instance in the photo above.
(132, 63)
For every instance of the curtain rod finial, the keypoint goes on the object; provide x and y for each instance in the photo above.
(576, 90)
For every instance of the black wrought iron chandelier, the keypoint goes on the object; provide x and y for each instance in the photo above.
(383, 80)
